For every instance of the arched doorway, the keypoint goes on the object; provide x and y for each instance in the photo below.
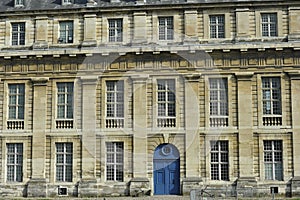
(166, 170)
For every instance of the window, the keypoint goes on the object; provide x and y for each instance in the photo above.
(273, 160)
(166, 103)
(219, 160)
(66, 32)
(269, 24)
(18, 33)
(271, 99)
(115, 28)
(217, 26)
(14, 162)
(64, 162)
(16, 102)
(64, 105)
(114, 161)
(65, 2)
(166, 27)
(19, 3)
(218, 102)
(114, 104)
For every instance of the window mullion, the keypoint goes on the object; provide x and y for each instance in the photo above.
(219, 159)
(115, 99)
(15, 162)
(273, 161)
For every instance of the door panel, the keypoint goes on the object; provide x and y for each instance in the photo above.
(166, 172)
(166, 177)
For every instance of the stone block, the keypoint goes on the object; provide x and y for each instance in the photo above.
(37, 187)
(246, 187)
(88, 188)
(295, 186)
(191, 183)
(139, 187)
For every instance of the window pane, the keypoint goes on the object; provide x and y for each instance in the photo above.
(278, 172)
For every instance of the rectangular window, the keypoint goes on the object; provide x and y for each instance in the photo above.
(219, 160)
(115, 29)
(217, 26)
(271, 100)
(66, 2)
(269, 24)
(14, 162)
(273, 160)
(19, 3)
(18, 33)
(166, 103)
(16, 103)
(64, 162)
(16, 96)
(114, 161)
(218, 102)
(166, 28)
(66, 32)
(65, 100)
(64, 105)
(114, 104)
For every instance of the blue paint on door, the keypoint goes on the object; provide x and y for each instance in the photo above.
(166, 170)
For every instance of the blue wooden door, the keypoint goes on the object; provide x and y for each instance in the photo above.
(166, 170)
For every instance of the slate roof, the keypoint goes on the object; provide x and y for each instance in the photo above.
(8, 5)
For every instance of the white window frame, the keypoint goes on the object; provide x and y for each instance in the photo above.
(218, 25)
(17, 162)
(19, 94)
(273, 118)
(270, 22)
(18, 33)
(66, 2)
(273, 153)
(19, 3)
(115, 152)
(165, 118)
(219, 118)
(115, 30)
(115, 119)
(165, 28)
(66, 103)
(64, 121)
(270, 100)
(66, 32)
(67, 167)
(219, 163)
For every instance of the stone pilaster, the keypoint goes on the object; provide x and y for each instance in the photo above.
(89, 30)
(140, 30)
(41, 33)
(190, 26)
(139, 131)
(88, 183)
(37, 185)
(192, 139)
(242, 20)
(294, 24)
(246, 180)
(295, 96)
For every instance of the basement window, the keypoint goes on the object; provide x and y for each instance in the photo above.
(62, 191)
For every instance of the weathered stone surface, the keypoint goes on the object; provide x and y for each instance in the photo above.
(37, 187)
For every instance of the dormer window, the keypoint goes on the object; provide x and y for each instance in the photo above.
(19, 3)
(66, 2)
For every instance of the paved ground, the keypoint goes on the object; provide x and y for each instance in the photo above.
(149, 198)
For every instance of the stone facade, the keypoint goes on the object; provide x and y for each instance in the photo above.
(91, 90)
